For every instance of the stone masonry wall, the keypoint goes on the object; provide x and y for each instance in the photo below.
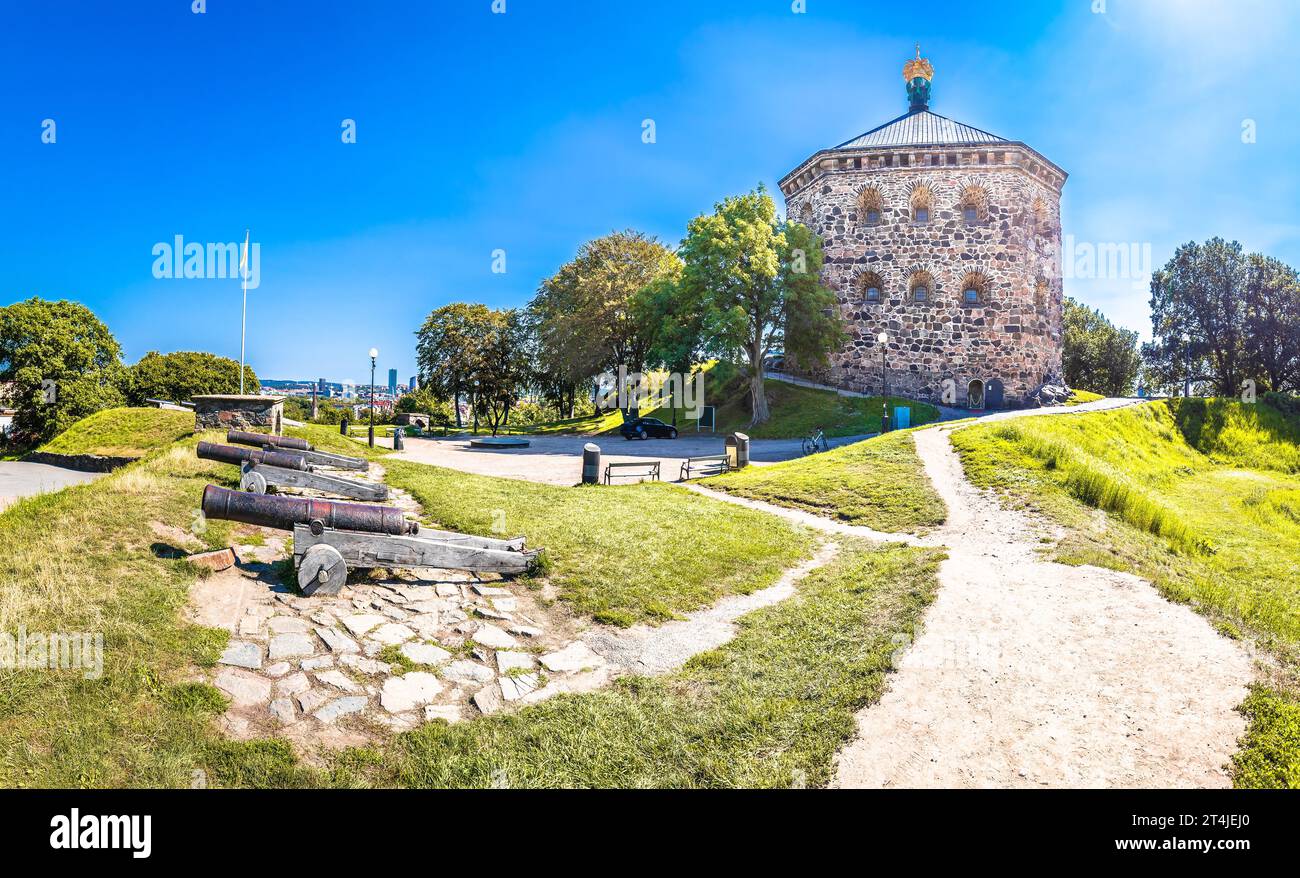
(1011, 252)
(235, 413)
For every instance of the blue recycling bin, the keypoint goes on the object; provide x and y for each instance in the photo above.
(902, 417)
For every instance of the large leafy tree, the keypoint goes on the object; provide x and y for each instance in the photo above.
(1272, 323)
(64, 343)
(182, 375)
(674, 319)
(1098, 355)
(448, 346)
(1219, 315)
(586, 315)
(1198, 311)
(756, 280)
(503, 369)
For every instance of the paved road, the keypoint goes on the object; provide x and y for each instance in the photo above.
(19, 479)
(557, 460)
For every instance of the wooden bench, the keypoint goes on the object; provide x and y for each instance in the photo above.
(650, 470)
(709, 465)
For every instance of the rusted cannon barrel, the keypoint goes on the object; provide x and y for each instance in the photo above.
(258, 440)
(282, 513)
(237, 456)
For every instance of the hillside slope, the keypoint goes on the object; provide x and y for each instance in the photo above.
(122, 432)
(1202, 497)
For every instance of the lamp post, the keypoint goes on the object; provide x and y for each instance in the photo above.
(1187, 366)
(883, 339)
(374, 355)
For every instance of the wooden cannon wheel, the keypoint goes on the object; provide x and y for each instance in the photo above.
(322, 569)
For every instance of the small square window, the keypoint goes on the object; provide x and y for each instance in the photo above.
(920, 294)
(970, 214)
(873, 294)
(971, 296)
(922, 215)
(873, 216)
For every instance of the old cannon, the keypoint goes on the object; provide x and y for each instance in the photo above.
(331, 538)
(270, 468)
(301, 446)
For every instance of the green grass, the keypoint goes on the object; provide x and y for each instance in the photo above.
(79, 560)
(622, 554)
(1200, 499)
(879, 483)
(1079, 397)
(768, 709)
(123, 432)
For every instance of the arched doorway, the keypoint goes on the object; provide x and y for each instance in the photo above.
(975, 396)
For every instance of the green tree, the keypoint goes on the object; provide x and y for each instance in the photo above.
(1098, 355)
(1272, 323)
(424, 402)
(503, 369)
(1198, 316)
(180, 376)
(671, 311)
(447, 348)
(757, 281)
(586, 317)
(64, 343)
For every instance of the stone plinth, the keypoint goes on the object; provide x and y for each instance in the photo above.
(413, 419)
(234, 412)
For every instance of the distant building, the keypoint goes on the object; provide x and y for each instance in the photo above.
(414, 383)
(392, 382)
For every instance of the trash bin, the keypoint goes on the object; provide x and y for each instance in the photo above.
(738, 450)
(902, 417)
(591, 464)
(398, 443)
(343, 426)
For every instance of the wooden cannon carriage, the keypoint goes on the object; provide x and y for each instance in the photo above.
(331, 538)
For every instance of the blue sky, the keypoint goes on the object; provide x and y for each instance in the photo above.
(522, 132)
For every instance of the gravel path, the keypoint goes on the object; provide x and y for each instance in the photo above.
(1029, 673)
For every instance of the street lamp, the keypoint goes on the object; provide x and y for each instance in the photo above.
(883, 339)
(374, 355)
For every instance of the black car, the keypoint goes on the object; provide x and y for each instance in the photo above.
(644, 428)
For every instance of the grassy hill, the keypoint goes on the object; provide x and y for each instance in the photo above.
(1202, 497)
(879, 483)
(796, 411)
(122, 432)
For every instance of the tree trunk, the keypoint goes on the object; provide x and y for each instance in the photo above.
(757, 393)
(758, 396)
(455, 402)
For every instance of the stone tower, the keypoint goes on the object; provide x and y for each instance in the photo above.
(947, 239)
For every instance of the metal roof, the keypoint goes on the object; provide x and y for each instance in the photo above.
(922, 128)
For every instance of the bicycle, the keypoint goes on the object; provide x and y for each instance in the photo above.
(815, 443)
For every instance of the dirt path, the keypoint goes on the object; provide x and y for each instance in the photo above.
(1029, 673)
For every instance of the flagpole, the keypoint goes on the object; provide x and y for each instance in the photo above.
(243, 320)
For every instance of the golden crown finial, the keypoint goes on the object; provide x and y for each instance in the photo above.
(918, 67)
